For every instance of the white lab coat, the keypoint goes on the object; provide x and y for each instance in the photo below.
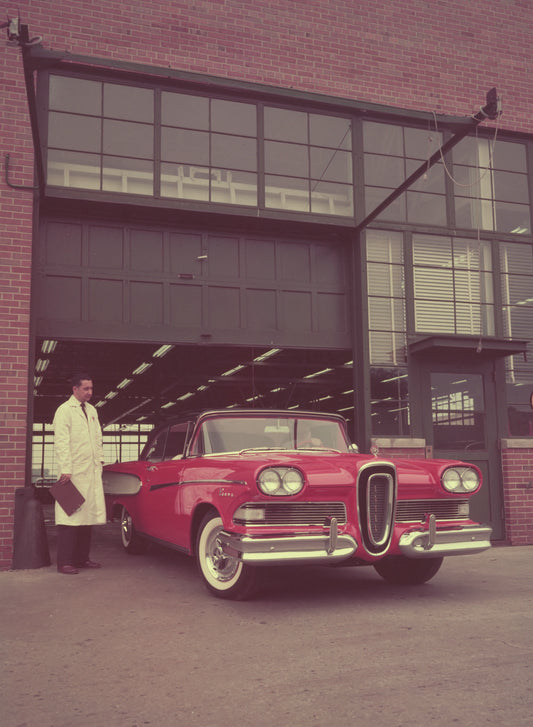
(79, 452)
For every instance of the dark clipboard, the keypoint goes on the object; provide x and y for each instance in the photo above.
(68, 496)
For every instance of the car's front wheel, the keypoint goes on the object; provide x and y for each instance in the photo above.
(404, 571)
(132, 542)
(224, 576)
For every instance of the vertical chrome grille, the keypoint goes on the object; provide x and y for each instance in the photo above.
(376, 492)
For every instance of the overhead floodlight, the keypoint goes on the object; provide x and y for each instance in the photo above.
(318, 373)
(124, 383)
(37, 380)
(141, 369)
(186, 396)
(168, 404)
(48, 347)
(162, 351)
(41, 365)
(267, 354)
(111, 395)
(234, 370)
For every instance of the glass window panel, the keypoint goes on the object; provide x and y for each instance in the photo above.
(421, 143)
(233, 117)
(428, 208)
(432, 283)
(234, 187)
(431, 181)
(130, 176)
(128, 139)
(330, 131)
(288, 193)
(75, 94)
(188, 147)
(233, 152)
(510, 156)
(512, 218)
(387, 347)
(471, 151)
(517, 258)
(185, 182)
(395, 211)
(383, 138)
(386, 280)
(285, 125)
(472, 254)
(510, 187)
(70, 131)
(333, 199)
(472, 181)
(517, 289)
(519, 321)
(72, 169)
(474, 213)
(330, 165)
(128, 102)
(384, 246)
(288, 159)
(434, 316)
(386, 314)
(180, 109)
(473, 319)
(432, 250)
(382, 171)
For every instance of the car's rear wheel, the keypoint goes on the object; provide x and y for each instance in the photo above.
(132, 542)
(224, 576)
(404, 571)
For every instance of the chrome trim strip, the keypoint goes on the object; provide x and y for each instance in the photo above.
(431, 544)
(288, 549)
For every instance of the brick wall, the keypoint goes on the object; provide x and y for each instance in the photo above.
(517, 466)
(416, 54)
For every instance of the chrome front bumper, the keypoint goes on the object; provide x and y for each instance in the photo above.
(331, 547)
(433, 543)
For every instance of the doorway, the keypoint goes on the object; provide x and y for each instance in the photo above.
(459, 420)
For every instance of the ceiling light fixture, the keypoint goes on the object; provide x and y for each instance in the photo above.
(186, 396)
(41, 365)
(234, 370)
(141, 369)
(267, 354)
(162, 351)
(318, 373)
(111, 395)
(48, 347)
(124, 383)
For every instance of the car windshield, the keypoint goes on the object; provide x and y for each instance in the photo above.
(235, 433)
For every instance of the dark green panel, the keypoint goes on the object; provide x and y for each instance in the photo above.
(146, 250)
(331, 312)
(62, 298)
(106, 300)
(223, 260)
(295, 262)
(63, 243)
(185, 248)
(261, 309)
(106, 249)
(296, 311)
(224, 308)
(146, 303)
(186, 306)
(260, 256)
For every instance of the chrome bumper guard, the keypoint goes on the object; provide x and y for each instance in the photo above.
(331, 547)
(431, 543)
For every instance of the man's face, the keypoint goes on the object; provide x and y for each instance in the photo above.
(84, 391)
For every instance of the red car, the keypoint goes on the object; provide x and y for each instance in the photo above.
(240, 489)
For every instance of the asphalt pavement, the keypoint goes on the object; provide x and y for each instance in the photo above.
(142, 642)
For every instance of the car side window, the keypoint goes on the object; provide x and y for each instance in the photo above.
(156, 450)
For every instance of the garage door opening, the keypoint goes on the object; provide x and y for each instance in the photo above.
(138, 385)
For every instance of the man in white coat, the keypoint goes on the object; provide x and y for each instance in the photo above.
(79, 454)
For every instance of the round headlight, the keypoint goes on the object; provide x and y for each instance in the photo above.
(470, 479)
(451, 480)
(269, 482)
(292, 481)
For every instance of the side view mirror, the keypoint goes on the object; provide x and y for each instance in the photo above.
(354, 449)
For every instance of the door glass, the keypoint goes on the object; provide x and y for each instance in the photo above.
(458, 411)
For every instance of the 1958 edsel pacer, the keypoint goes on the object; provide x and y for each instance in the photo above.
(240, 489)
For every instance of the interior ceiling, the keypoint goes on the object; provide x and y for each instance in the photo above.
(190, 377)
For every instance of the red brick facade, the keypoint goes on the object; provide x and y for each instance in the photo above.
(517, 466)
(412, 54)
